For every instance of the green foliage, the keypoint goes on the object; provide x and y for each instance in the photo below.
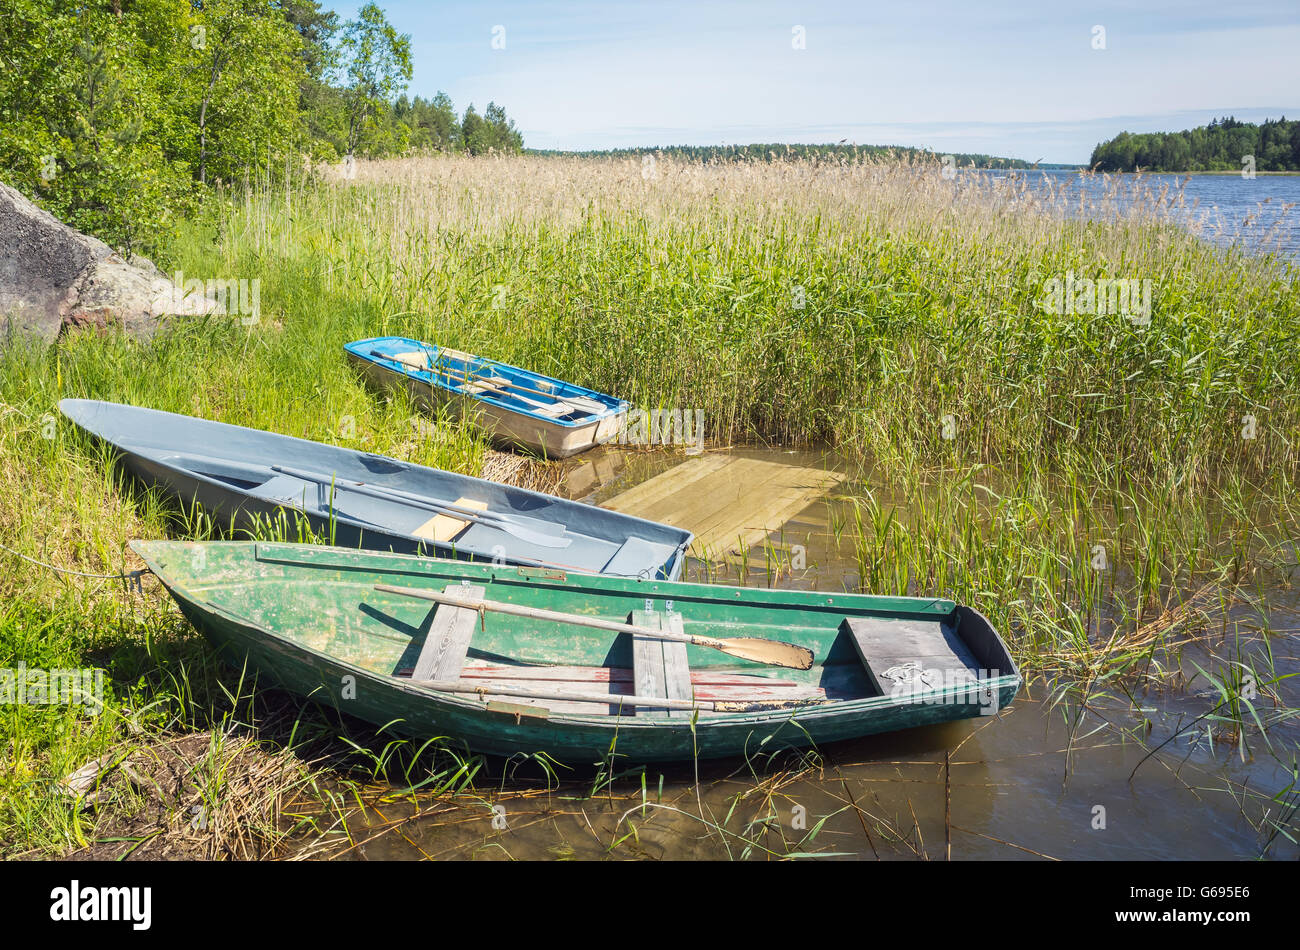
(492, 132)
(316, 27)
(247, 63)
(433, 123)
(85, 125)
(1223, 145)
(114, 116)
(376, 64)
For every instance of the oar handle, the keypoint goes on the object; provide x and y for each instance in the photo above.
(579, 402)
(538, 613)
(381, 493)
(391, 493)
(433, 366)
(464, 375)
(755, 649)
(491, 519)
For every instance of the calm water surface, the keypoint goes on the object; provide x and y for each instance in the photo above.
(1259, 214)
(1043, 780)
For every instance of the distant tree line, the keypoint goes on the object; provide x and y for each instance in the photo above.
(119, 115)
(433, 126)
(783, 152)
(1222, 145)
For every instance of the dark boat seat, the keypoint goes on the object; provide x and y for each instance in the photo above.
(635, 552)
(906, 656)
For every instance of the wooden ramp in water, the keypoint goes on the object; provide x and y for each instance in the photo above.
(730, 502)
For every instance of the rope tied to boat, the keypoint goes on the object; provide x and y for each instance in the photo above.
(131, 580)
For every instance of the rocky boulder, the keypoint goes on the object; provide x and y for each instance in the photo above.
(54, 279)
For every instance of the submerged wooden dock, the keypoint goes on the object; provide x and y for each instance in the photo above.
(730, 502)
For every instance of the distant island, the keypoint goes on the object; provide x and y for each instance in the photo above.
(770, 152)
(1223, 145)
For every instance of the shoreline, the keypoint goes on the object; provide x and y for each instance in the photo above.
(1227, 171)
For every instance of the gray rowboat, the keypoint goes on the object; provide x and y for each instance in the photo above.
(362, 500)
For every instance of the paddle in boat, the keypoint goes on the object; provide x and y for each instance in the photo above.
(510, 660)
(515, 407)
(363, 500)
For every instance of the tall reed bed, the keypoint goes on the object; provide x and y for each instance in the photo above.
(1085, 576)
(881, 306)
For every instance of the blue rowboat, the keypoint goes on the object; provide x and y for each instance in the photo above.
(362, 500)
(515, 407)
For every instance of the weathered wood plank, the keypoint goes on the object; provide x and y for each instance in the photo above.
(728, 501)
(417, 360)
(660, 667)
(445, 645)
(446, 527)
(617, 674)
(665, 484)
(677, 669)
(647, 658)
(701, 693)
(778, 499)
(731, 497)
(619, 680)
(766, 507)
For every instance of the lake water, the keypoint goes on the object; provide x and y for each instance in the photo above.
(1045, 779)
(1260, 213)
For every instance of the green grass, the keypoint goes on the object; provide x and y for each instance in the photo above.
(855, 307)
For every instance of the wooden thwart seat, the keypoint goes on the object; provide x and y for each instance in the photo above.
(446, 527)
(492, 384)
(904, 656)
(417, 360)
(555, 410)
(660, 667)
(446, 644)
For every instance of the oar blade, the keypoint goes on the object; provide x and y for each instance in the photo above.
(771, 652)
(527, 534)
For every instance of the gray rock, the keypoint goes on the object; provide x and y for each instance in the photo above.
(54, 279)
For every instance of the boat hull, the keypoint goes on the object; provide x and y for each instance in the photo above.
(334, 663)
(168, 451)
(505, 427)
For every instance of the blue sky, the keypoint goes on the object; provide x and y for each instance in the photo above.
(1006, 78)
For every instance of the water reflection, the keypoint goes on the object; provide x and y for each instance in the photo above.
(1067, 772)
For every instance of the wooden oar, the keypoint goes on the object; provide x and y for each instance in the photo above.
(579, 402)
(523, 521)
(462, 378)
(754, 649)
(489, 518)
(616, 699)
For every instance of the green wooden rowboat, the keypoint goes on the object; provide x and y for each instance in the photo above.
(314, 620)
